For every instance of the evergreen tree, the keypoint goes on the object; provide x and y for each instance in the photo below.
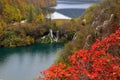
(31, 14)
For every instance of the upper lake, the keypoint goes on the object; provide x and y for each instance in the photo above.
(67, 9)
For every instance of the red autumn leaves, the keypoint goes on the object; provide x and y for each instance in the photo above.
(93, 64)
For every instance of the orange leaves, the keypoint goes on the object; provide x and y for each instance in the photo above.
(93, 64)
(56, 71)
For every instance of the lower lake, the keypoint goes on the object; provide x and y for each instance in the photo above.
(25, 63)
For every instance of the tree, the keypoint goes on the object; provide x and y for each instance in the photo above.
(2, 28)
(31, 14)
(11, 13)
(40, 18)
(38, 10)
(1, 6)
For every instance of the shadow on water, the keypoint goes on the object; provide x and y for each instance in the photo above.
(31, 50)
(25, 63)
(74, 13)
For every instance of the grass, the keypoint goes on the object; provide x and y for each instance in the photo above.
(61, 21)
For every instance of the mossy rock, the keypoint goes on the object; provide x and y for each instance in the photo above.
(46, 39)
(63, 39)
(89, 13)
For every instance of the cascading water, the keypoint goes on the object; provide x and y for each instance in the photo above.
(57, 36)
(51, 35)
(75, 36)
(43, 37)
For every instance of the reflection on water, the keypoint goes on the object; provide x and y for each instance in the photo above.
(24, 63)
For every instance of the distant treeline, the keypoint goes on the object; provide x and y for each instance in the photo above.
(17, 10)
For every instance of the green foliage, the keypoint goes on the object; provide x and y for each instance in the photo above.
(2, 29)
(76, 44)
(25, 10)
(38, 10)
(1, 6)
(12, 39)
(2, 24)
(89, 14)
(63, 39)
(46, 39)
(90, 64)
(40, 18)
(99, 13)
(11, 13)
(31, 14)
(15, 30)
(60, 57)
(9, 36)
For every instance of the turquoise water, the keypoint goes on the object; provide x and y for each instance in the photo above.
(25, 63)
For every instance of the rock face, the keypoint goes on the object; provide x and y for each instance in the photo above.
(103, 30)
(105, 20)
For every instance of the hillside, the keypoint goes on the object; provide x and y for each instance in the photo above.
(98, 21)
(16, 10)
(91, 53)
(22, 21)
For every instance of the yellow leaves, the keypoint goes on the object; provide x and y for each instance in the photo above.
(2, 25)
(29, 40)
(11, 13)
(40, 18)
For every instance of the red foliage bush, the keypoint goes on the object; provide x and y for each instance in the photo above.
(93, 64)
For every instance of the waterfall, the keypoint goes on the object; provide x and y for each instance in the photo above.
(43, 37)
(111, 17)
(75, 36)
(51, 35)
(57, 36)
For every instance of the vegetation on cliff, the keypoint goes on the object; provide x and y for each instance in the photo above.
(97, 63)
(98, 21)
(85, 58)
(23, 22)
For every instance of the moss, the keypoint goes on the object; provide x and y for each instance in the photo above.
(89, 13)
(63, 39)
(46, 39)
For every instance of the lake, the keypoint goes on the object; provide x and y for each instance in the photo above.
(67, 9)
(25, 63)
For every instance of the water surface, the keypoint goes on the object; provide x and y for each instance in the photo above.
(25, 63)
(72, 8)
